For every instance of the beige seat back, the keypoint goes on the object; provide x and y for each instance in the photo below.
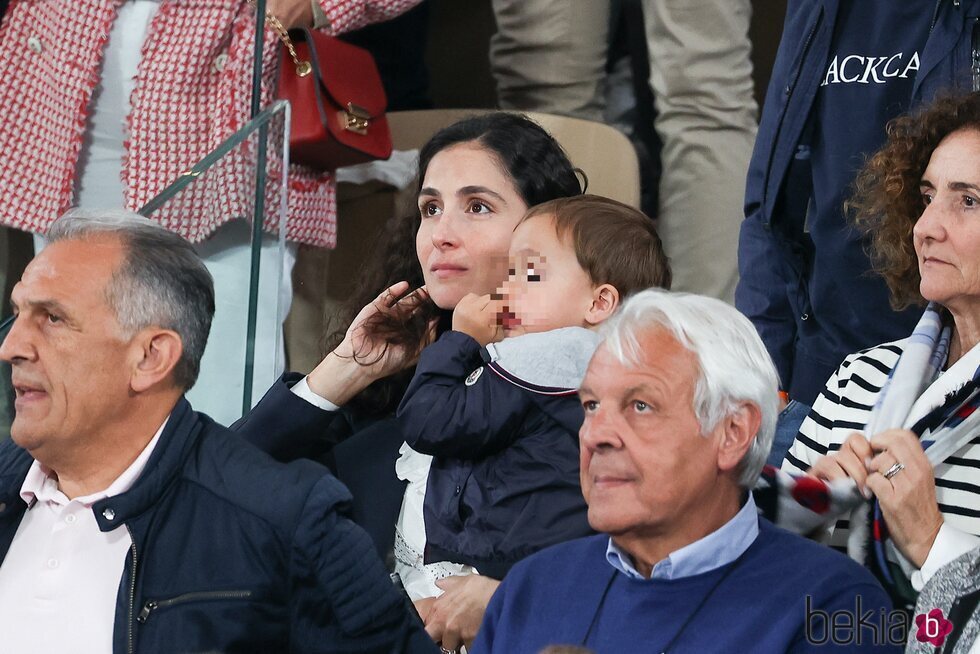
(603, 152)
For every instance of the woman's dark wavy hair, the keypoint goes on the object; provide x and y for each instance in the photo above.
(886, 202)
(539, 169)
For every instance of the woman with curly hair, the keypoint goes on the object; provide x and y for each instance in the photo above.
(897, 419)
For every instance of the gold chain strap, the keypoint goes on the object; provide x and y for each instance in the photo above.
(303, 68)
(355, 119)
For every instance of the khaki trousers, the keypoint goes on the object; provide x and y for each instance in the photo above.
(549, 55)
(701, 75)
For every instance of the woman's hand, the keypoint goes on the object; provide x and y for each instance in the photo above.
(908, 497)
(292, 13)
(363, 357)
(455, 616)
(423, 607)
(851, 460)
(477, 316)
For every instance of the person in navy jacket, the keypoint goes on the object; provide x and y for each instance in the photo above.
(130, 523)
(477, 179)
(843, 70)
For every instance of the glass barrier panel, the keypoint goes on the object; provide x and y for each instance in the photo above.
(244, 354)
(245, 255)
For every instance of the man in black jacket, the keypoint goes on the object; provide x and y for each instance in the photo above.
(128, 522)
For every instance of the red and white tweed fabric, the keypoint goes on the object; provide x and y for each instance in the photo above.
(192, 90)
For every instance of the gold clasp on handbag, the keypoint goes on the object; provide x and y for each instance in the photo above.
(303, 68)
(355, 119)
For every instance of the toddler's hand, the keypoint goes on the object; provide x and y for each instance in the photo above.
(476, 315)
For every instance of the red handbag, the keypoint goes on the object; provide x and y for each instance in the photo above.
(338, 102)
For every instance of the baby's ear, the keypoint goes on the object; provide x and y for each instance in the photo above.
(605, 301)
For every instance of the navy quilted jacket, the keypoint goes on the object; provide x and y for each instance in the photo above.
(234, 552)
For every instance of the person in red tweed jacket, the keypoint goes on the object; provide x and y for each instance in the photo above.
(106, 102)
(192, 90)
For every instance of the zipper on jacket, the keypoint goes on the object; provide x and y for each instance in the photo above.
(153, 605)
(132, 592)
(788, 93)
(803, 52)
(975, 54)
(935, 16)
(935, 13)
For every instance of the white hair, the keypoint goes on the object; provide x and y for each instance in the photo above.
(733, 365)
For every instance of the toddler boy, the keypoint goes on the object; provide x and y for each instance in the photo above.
(494, 400)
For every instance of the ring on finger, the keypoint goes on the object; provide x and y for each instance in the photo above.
(894, 470)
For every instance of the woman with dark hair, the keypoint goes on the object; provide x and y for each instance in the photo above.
(918, 202)
(528, 164)
(477, 178)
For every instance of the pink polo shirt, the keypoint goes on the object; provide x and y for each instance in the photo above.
(59, 580)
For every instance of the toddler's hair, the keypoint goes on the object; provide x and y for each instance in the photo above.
(614, 243)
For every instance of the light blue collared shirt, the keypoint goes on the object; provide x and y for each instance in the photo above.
(718, 548)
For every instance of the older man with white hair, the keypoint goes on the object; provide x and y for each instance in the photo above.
(680, 406)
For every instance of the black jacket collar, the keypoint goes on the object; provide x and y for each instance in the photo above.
(178, 438)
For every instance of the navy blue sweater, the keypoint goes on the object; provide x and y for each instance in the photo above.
(761, 606)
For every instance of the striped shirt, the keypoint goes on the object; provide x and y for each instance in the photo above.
(845, 406)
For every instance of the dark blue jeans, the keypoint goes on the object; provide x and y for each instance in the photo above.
(787, 427)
